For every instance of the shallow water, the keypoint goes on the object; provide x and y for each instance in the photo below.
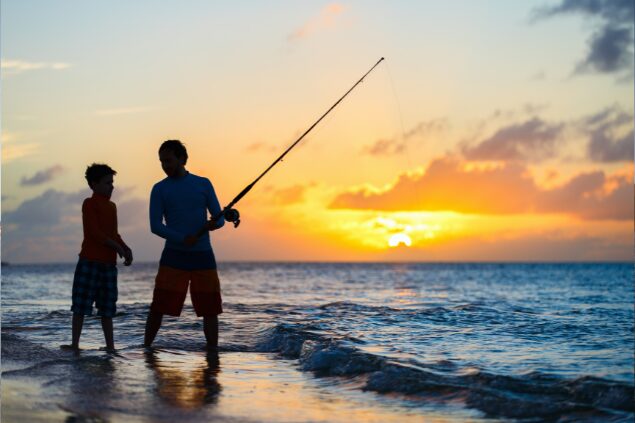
(457, 342)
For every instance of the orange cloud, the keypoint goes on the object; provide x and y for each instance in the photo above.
(449, 185)
(289, 195)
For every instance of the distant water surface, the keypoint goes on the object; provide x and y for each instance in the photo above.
(508, 341)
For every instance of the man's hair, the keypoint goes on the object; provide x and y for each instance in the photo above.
(96, 171)
(176, 147)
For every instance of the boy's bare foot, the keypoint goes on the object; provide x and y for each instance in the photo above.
(70, 347)
(108, 349)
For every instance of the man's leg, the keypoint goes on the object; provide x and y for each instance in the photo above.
(153, 324)
(106, 325)
(207, 301)
(210, 327)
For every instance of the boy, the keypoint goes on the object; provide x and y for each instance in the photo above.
(95, 277)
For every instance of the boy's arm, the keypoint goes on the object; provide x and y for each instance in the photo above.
(156, 219)
(116, 246)
(127, 252)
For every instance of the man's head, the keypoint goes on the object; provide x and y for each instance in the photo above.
(100, 179)
(173, 157)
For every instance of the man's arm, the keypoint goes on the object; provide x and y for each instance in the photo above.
(157, 210)
(213, 206)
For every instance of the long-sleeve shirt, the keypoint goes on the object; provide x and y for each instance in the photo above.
(184, 203)
(99, 218)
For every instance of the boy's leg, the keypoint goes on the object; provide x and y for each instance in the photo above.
(210, 327)
(106, 325)
(153, 324)
(78, 323)
(84, 292)
(106, 301)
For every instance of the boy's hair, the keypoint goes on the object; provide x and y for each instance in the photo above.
(176, 147)
(96, 171)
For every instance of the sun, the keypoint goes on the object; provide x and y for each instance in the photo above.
(399, 239)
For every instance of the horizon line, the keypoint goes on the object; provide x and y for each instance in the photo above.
(9, 264)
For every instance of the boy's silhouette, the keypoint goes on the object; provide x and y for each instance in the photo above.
(95, 279)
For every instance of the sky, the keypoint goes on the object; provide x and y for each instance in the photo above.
(493, 131)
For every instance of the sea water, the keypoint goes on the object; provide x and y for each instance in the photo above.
(527, 342)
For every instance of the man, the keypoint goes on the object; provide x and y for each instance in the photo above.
(183, 200)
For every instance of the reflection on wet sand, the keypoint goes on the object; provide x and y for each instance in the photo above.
(185, 381)
(93, 378)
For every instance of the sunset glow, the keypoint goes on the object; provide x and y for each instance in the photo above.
(399, 239)
(470, 154)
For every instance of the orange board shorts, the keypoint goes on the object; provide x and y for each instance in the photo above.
(170, 289)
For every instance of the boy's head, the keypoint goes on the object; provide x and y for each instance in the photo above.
(100, 179)
(173, 157)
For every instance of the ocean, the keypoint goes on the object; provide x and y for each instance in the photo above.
(321, 342)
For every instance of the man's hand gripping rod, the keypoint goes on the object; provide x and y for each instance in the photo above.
(231, 214)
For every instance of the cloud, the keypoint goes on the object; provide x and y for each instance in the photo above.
(384, 147)
(132, 213)
(452, 185)
(45, 211)
(122, 111)
(533, 139)
(14, 67)
(605, 149)
(325, 19)
(611, 44)
(426, 127)
(611, 135)
(290, 195)
(538, 76)
(13, 148)
(48, 227)
(260, 146)
(42, 176)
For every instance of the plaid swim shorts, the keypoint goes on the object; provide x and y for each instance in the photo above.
(95, 282)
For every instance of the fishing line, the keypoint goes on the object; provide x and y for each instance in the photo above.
(404, 137)
(397, 105)
(232, 214)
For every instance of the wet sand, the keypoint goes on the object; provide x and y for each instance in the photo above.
(157, 385)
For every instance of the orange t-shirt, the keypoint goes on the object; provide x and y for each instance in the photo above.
(99, 216)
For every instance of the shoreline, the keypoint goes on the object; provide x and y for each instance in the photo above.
(160, 385)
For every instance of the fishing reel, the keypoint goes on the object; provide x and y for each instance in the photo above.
(232, 215)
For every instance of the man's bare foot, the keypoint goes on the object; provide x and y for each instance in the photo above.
(108, 349)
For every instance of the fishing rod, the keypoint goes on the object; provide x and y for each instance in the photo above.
(232, 214)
